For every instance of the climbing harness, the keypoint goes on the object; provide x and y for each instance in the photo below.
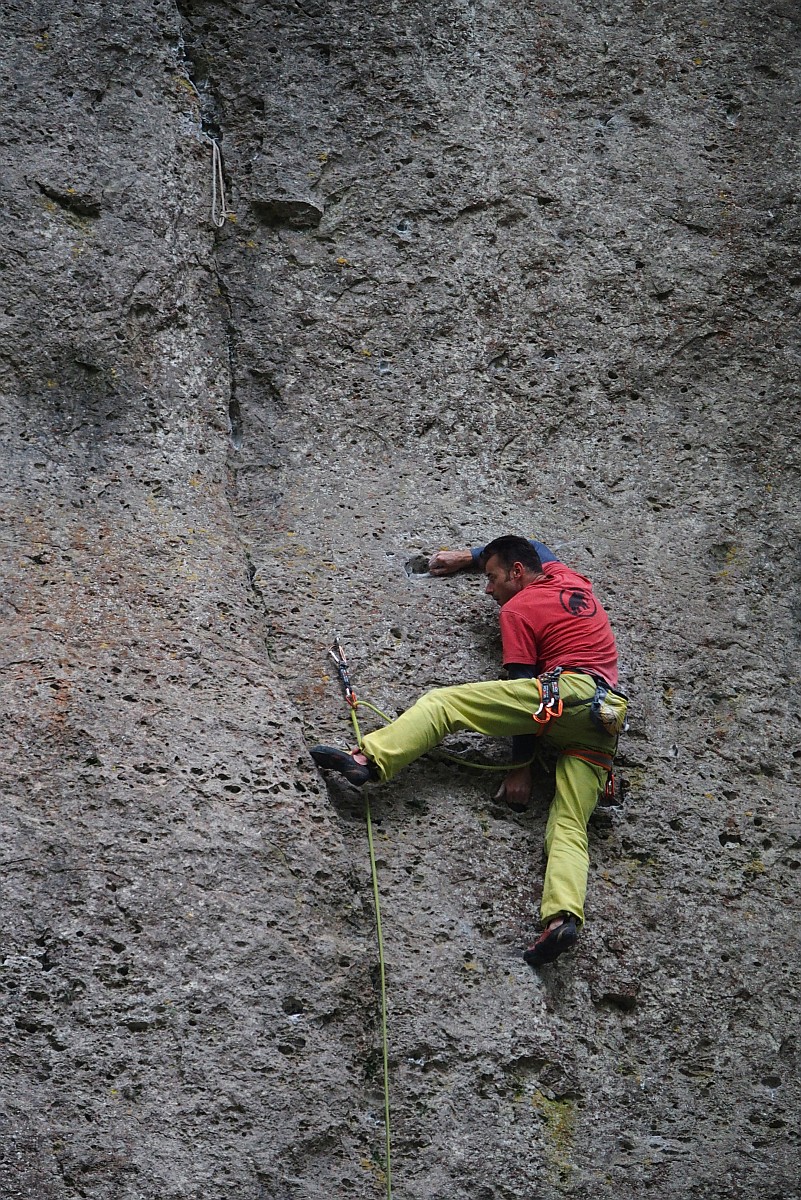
(550, 701)
(607, 712)
(219, 214)
(337, 654)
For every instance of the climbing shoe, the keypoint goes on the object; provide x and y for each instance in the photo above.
(552, 942)
(343, 762)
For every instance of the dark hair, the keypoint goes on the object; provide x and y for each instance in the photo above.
(509, 550)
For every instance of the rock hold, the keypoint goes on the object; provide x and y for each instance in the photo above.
(291, 213)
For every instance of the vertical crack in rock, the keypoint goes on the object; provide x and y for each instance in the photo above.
(211, 124)
(235, 423)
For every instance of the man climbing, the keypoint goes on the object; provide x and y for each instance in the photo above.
(560, 657)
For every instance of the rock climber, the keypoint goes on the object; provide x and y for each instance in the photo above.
(561, 661)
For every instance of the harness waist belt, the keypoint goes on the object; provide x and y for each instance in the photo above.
(599, 679)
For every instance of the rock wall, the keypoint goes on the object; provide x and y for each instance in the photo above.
(489, 268)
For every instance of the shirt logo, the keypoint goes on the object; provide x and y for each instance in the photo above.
(578, 602)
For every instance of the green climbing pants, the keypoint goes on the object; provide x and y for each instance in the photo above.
(504, 709)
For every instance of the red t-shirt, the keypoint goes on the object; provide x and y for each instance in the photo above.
(557, 622)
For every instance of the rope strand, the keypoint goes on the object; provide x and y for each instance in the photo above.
(338, 656)
(381, 967)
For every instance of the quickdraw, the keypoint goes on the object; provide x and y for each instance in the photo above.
(550, 700)
(337, 654)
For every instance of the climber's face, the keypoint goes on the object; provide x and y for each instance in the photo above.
(503, 582)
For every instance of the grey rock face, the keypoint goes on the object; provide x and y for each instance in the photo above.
(516, 268)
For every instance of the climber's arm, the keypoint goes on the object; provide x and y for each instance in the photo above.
(448, 562)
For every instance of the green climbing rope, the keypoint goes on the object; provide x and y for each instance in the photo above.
(381, 968)
(338, 656)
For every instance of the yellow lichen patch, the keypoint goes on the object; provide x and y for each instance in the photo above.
(636, 777)
(731, 560)
(182, 84)
(559, 1117)
(367, 1164)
